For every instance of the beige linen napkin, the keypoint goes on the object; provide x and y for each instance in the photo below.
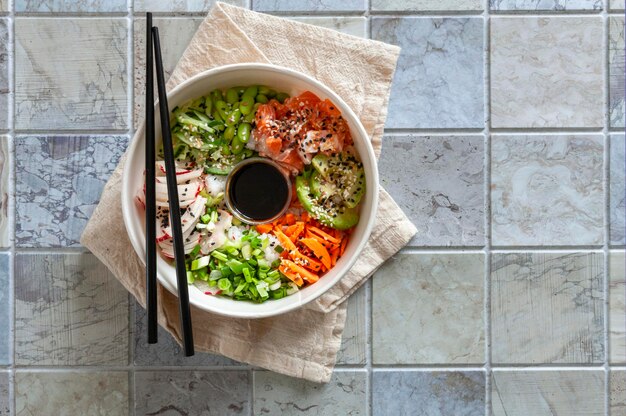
(302, 343)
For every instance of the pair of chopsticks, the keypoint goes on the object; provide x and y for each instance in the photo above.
(152, 34)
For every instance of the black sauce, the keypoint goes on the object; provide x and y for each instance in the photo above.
(258, 191)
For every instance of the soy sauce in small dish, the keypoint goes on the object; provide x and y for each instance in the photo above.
(257, 191)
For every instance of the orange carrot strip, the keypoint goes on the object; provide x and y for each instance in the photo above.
(284, 240)
(291, 275)
(344, 243)
(334, 255)
(294, 231)
(264, 228)
(289, 219)
(324, 235)
(318, 250)
(301, 271)
(294, 253)
(325, 243)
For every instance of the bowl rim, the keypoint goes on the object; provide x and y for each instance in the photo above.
(128, 195)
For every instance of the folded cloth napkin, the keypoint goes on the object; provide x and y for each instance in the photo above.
(302, 343)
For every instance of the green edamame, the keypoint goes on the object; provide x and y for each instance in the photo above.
(230, 131)
(232, 96)
(249, 118)
(261, 98)
(222, 109)
(243, 132)
(216, 95)
(246, 105)
(208, 105)
(226, 149)
(234, 117)
(251, 91)
(271, 93)
(236, 146)
(281, 97)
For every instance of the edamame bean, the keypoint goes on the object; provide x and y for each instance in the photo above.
(251, 91)
(249, 118)
(208, 104)
(234, 117)
(263, 89)
(236, 146)
(216, 95)
(229, 133)
(281, 97)
(222, 109)
(232, 96)
(271, 93)
(216, 115)
(245, 106)
(243, 132)
(260, 98)
(226, 149)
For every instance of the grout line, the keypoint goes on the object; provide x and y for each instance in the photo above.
(81, 133)
(130, 66)
(12, 217)
(251, 377)
(487, 206)
(605, 178)
(369, 347)
(51, 250)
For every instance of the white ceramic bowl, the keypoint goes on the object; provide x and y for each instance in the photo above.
(282, 79)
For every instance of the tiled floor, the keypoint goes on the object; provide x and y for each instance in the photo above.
(504, 145)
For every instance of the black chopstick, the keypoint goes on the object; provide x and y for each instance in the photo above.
(172, 192)
(151, 282)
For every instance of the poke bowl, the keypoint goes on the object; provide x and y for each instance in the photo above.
(231, 127)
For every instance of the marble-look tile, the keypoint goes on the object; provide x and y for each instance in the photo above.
(617, 104)
(175, 34)
(5, 408)
(617, 393)
(615, 5)
(617, 182)
(439, 77)
(4, 7)
(547, 190)
(275, 394)
(64, 6)
(167, 352)
(58, 184)
(354, 340)
(426, 5)
(425, 393)
(207, 393)
(439, 183)
(445, 325)
(545, 4)
(547, 308)
(181, 5)
(5, 310)
(532, 85)
(308, 5)
(617, 307)
(547, 393)
(69, 310)
(4, 74)
(354, 26)
(71, 393)
(5, 233)
(76, 84)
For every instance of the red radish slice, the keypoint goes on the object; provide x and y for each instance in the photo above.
(191, 216)
(185, 190)
(181, 168)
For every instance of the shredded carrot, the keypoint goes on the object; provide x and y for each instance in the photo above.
(289, 219)
(324, 235)
(318, 250)
(264, 228)
(334, 255)
(294, 231)
(284, 269)
(344, 244)
(301, 271)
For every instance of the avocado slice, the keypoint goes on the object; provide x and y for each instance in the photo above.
(346, 218)
(321, 186)
(321, 164)
(355, 192)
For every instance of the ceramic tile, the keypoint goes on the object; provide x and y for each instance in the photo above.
(439, 77)
(308, 5)
(5, 233)
(74, 6)
(4, 6)
(354, 26)
(175, 34)
(616, 5)
(275, 394)
(617, 104)
(71, 393)
(167, 352)
(445, 325)
(426, 5)
(547, 308)
(4, 394)
(76, 84)
(69, 310)
(547, 393)
(559, 5)
(5, 310)
(425, 393)
(181, 5)
(439, 183)
(58, 184)
(532, 86)
(4, 73)
(617, 392)
(617, 185)
(617, 307)
(210, 393)
(547, 190)
(354, 340)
